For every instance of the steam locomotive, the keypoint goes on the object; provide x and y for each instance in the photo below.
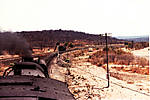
(29, 80)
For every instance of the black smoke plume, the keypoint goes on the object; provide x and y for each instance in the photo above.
(14, 44)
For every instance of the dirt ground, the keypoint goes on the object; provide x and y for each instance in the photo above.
(89, 82)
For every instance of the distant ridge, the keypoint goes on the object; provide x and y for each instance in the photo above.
(144, 38)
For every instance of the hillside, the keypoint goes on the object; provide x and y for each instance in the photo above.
(50, 37)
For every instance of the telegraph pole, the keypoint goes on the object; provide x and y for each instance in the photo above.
(107, 59)
(107, 76)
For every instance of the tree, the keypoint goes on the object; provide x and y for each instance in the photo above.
(70, 45)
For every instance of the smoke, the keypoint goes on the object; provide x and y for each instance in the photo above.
(14, 44)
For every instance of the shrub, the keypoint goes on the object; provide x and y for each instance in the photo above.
(114, 56)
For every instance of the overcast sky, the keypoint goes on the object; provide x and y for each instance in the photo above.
(119, 17)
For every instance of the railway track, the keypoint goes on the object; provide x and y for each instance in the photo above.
(14, 59)
(51, 56)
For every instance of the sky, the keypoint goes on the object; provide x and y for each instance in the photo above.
(119, 17)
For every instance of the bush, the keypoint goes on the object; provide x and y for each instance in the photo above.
(114, 56)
